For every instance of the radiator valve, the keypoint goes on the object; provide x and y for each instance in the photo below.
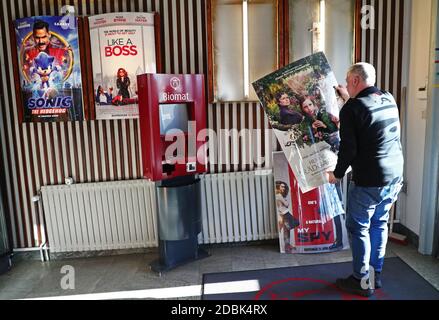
(69, 181)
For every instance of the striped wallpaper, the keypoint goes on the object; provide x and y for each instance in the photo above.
(383, 46)
(36, 154)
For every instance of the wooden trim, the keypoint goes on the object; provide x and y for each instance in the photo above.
(280, 32)
(283, 33)
(86, 76)
(90, 109)
(357, 31)
(158, 43)
(287, 32)
(210, 60)
(16, 70)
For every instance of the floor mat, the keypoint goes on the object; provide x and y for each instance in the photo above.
(315, 282)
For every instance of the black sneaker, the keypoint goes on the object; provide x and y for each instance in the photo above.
(378, 283)
(353, 285)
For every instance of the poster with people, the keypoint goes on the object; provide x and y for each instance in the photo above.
(310, 222)
(49, 68)
(122, 47)
(302, 106)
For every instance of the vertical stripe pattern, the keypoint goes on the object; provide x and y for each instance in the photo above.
(40, 154)
(382, 46)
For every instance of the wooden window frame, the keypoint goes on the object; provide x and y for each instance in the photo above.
(282, 44)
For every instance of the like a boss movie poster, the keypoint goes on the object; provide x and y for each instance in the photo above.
(122, 47)
(49, 68)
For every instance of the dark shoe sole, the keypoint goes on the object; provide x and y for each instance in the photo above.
(364, 293)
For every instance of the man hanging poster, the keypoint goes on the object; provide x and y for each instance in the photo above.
(302, 107)
(310, 222)
(122, 47)
(49, 68)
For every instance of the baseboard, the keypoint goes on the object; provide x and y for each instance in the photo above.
(240, 244)
(35, 255)
(412, 237)
(100, 253)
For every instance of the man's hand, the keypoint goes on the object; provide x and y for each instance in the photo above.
(331, 178)
(343, 92)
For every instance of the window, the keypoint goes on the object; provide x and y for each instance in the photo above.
(249, 39)
(323, 25)
(243, 46)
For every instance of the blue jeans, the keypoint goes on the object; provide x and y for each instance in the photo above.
(366, 221)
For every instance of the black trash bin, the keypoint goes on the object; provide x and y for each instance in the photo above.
(179, 222)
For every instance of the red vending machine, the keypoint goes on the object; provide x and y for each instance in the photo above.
(172, 113)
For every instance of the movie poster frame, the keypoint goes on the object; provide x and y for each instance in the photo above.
(91, 112)
(88, 99)
(16, 71)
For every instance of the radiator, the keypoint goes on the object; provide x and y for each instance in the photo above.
(238, 207)
(121, 215)
(100, 216)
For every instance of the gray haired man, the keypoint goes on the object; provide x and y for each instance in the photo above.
(370, 144)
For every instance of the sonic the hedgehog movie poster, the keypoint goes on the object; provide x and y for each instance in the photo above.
(49, 67)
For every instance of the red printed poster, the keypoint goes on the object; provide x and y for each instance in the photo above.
(122, 47)
(308, 222)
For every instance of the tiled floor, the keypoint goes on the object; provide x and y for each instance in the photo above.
(130, 277)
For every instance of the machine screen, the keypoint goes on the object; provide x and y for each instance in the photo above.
(173, 117)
